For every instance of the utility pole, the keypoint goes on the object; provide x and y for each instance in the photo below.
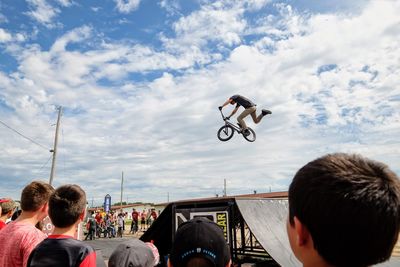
(122, 187)
(224, 187)
(54, 150)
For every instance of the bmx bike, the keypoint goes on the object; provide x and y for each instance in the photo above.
(226, 131)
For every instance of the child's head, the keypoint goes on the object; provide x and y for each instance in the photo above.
(67, 205)
(35, 195)
(349, 205)
(7, 207)
(199, 242)
(134, 253)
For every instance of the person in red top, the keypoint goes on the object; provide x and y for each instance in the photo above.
(7, 209)
(1, 223)
(135, 221)
(66, 210)
(21, 236)
(98, 217)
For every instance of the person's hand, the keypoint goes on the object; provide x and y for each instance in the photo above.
(228, 118)
(220, 107)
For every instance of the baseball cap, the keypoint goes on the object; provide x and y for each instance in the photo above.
(134, 253)
(199, 237)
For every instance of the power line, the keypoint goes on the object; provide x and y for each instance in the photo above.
(44, 164)
(33, 141)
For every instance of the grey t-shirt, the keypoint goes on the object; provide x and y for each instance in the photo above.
(242, 101)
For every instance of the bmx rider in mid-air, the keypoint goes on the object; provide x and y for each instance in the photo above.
(249, 108)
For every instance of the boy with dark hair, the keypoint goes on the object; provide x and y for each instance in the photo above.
(66, 210)
(21, 236)
(199, 243)
(344, 210)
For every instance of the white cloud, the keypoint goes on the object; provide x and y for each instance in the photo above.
(42, 11)
(76, 35)
(10, 38)
(4, 36)
(96, 9)
(212, 22)
(171, 6)
(161, 129)
(127, 6)
(65, 3)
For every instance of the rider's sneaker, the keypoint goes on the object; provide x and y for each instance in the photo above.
(246, 132)
(266, 112)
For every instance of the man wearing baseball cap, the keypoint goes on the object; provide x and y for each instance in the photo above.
(199, 242)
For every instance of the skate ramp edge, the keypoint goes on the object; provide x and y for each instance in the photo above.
(266, 219)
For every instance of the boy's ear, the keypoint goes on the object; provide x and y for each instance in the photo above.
(302, 234)
(45, 208)
(10, 213)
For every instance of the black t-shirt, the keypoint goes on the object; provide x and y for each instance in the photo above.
(242, 101)
(62, 251)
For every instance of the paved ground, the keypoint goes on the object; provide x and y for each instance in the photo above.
(105, 246)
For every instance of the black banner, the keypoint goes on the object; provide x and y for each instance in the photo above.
(219, 215)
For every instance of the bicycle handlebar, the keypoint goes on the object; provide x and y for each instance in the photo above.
(222, 114)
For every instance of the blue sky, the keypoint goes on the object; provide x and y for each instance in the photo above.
(140, 83)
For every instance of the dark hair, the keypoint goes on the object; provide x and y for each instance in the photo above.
(199, 262)
(66, 204)
(35, 195)
(351, 207)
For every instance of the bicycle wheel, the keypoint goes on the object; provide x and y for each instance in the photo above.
(225, 133)
(251, 137)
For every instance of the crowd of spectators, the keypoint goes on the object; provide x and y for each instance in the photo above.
(344, 210)
(112, 224)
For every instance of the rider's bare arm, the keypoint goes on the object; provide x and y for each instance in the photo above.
(226, 102)
(234, 111)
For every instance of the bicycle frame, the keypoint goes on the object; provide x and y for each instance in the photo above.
(228, 129)
(235, 127)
